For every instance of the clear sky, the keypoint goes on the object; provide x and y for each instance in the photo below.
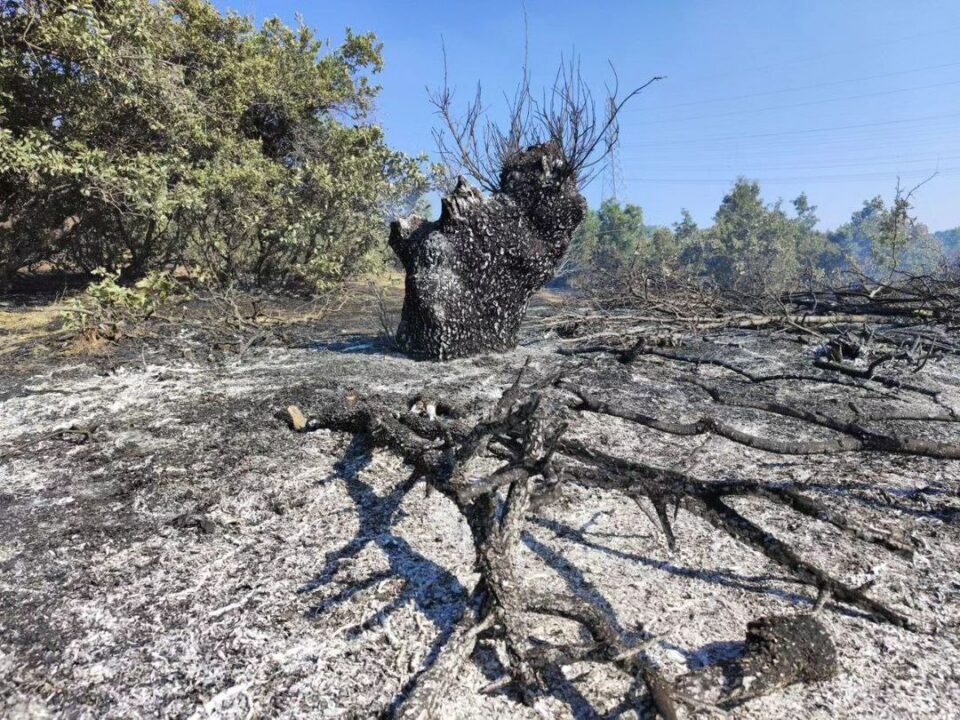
(832, 97)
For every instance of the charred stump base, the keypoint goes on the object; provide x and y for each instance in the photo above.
(470, 274)
(780, 651)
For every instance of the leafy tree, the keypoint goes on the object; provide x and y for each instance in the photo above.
(691, 243)
(620, 234)
(135, 133)
(760, 248)
(884, 240)
(610, 237)
(744, 236)
(583, 246)
(817, 257)
(663, 249)
(855, 237)
(950, 239)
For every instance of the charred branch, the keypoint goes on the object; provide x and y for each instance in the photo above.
(526, 430)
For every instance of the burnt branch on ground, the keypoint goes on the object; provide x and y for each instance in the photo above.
(530, 433)
(864, 325)
(851, 435)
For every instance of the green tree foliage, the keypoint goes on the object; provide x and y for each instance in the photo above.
(663, 249)
(883, 241)
(692, 246)
(584, 242)
(855, 237)
(620, 233)
(135, 133)
(752, 246)
(610, 237)
(748, 238)
(759, 247)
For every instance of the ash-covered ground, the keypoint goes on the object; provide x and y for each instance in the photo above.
(181, 552)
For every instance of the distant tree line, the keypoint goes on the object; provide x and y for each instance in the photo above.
(136, 134)
(754, 246)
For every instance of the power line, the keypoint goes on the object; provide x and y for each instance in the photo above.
(784, 133)
(822, 149)
(806, 103)
(800, 88)
(937, 139)
(798, 179)
(941, 141)
(855, 164)
(846, 51)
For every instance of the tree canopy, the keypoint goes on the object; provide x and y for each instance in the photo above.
(883, 240)
(609, 237)
(758, 247)
(136, 133)
(950, 240)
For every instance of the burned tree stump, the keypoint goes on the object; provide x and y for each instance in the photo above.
(783, 650)
(780, 651)
(470, 274)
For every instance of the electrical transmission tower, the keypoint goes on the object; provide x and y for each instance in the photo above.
(613, 171)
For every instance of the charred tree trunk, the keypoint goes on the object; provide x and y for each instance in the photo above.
(470, 274)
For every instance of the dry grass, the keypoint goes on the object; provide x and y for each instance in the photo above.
(21, 327)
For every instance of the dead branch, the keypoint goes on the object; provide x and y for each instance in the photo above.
(566, 116)
(854, 436)
(525, 430)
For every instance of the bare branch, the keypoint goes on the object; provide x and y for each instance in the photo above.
(566, 115)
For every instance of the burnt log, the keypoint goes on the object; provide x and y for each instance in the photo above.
(470, 274)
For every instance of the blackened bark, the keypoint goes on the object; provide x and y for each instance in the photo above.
(470, 274)
(779, 651)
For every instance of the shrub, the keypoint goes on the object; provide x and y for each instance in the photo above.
(136, 133)
(106, 308)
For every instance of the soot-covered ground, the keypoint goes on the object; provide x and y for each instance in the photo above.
(179, 551)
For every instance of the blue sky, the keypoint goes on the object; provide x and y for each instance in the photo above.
(832, 97)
